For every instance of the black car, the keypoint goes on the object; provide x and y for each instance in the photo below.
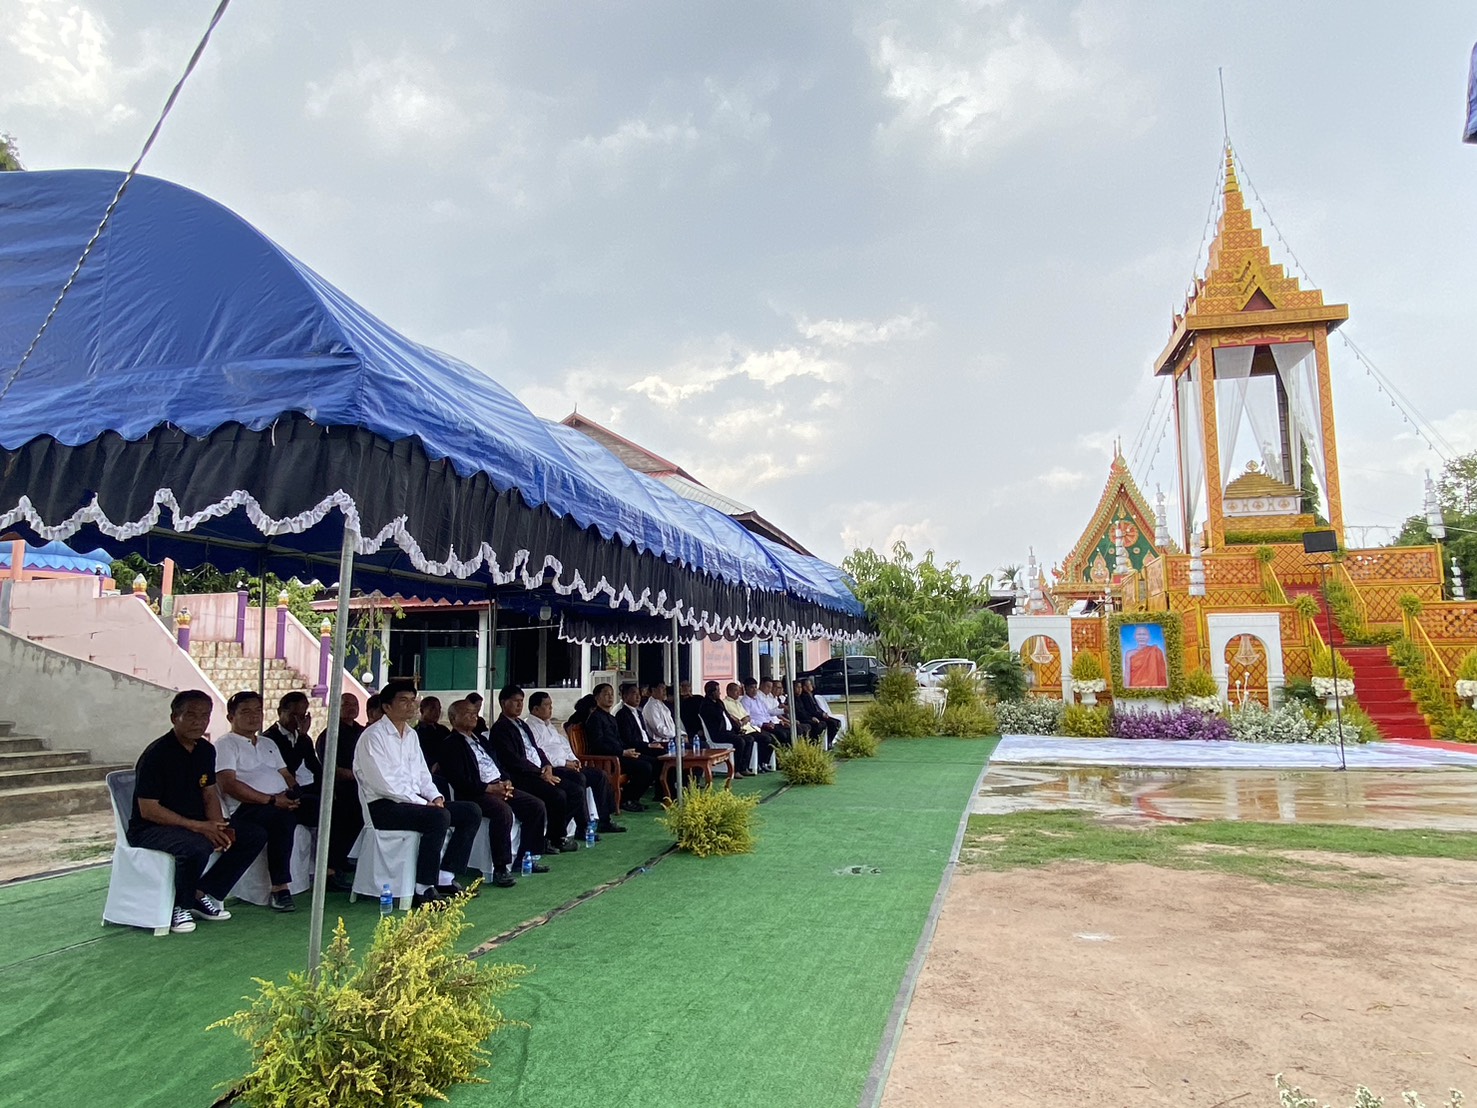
(862, 674)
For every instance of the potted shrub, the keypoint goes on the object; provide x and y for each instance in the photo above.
(1201, 692)
(1466, 678)
(1087, 677)
(1332, 677)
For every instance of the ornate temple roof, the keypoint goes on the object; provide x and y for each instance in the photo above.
(1242, 287)
(1121, 501)
(1254, 483)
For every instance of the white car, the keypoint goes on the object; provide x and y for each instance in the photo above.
(931, 674)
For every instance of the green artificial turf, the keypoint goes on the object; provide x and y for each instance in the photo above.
(760, 979)
(773, 974)
(1256, 850)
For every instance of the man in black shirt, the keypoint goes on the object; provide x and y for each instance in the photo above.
(348, 817)
(529, 769)
(290, 733)
(177, 810)
(603, 736)
(432, 733)
(721, 727)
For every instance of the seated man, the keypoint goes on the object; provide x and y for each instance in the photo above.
(475, 700)
(469, 765)
(747, 726)
(634, 735)
(290, 733)
(258, 789)
(400, 796)
(348, 817)
(524, 764)
(374, 710)
(775, 726)
(177, 809)
(603, 736)
(768, 692)
(723, 728)
(658, 716)
(552, 741)
(688, 704)
(431, 732)
(809, 716)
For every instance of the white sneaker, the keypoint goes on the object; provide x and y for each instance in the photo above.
(208, 908)
(182, 923)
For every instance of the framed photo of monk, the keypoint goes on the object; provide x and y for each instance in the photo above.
(1145, 657)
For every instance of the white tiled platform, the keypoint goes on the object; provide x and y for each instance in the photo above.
(1047, 750)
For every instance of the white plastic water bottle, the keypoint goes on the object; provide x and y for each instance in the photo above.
(672, 748)
(527, 862)
(590, 834)
(387, 901)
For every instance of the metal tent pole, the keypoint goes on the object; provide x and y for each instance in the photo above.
(846, 680)
(677, 706)
(491, 653)
(261, 662)
(330, 749)
(790, 685)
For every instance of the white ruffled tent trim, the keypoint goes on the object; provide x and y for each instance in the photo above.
(521, 569)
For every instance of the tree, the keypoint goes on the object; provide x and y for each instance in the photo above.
(922, 609)
(1456, 489)
(10, 153)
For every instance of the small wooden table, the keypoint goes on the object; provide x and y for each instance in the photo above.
(703, 760)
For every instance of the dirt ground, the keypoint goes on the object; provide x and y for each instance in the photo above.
(49, 845)
(1129, 985)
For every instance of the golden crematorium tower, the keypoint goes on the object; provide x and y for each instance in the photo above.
(1258, 458)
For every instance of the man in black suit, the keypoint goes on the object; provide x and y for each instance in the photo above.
(468, 763)
(635, 735)
(809, 717)
(603, 736)
(723, 728)
(524, 764)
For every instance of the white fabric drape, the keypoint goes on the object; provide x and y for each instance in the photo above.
(1192, 447)
(1232, 376)
(1298, 370)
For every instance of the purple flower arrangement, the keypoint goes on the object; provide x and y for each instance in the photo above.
(1179, 723)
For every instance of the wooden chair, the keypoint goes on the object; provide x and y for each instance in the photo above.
(607, 762)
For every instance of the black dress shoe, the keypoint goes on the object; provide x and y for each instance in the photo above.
(569, 846)
(454, 889)
(430, 896)
(610, 827)
(632, 806)
(539, 867)
(338, 883)
(503, 880)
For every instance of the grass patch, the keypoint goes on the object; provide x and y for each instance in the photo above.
(1255, 850)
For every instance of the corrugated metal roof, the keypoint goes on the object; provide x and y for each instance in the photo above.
(691, 490)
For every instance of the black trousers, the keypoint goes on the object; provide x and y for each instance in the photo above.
(192, 850)
(765, 741)
(598, 782)
(556, 800)
(640, 776)
(462, 818)
(529, 811)
(572, 784)
(279, 825)
(743, 750)
(346, 821)
(779, 735)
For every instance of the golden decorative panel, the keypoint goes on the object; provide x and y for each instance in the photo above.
(1393, 563)
(1450, 621)
(1254, 674)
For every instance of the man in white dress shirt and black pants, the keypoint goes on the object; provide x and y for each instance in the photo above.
(400, 795)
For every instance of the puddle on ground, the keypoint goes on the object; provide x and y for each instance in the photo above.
(1444, 800)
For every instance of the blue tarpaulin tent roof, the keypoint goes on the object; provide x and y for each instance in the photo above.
(59, 557)
(198, 371)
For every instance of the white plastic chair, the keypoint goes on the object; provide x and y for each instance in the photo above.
(141, 885)
(255, 885)
(481, 857)
(385, 858)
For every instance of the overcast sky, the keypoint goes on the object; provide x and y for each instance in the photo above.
(880, 269)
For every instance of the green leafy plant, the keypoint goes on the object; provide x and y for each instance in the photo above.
(1036, 716)
(1086, 667)
(1299, 691)
(1306, 607)
(1262, 538)
(1463, 726)
(1005, 675)
(1200, 683)
(857, 742)
(908, 720)
(1411, 604)
(1079, 721)
(398, 1030)
(897, 686)
(1466, 670)
(961, 690)
(1330, 663)
(709, 821)
(1265, 555)
(1358, 727)
(806, 763)
(968, 721)
(1429, 695)
(1290, 1096)
(1345, 609)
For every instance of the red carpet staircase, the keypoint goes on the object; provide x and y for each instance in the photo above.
(1378, 686)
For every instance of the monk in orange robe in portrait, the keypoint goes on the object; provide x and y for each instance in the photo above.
(1147, 668)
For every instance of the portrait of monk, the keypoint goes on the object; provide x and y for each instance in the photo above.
(1144, 664)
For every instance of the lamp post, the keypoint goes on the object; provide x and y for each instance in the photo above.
(1435, 523)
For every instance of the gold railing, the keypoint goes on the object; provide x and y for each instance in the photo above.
(1341, 573)
(1275, 592)
(1417, 634)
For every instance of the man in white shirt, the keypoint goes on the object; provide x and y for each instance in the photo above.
(400, 796)
(768, 694)
(763, 717)
(550, 738)
(258, 789)
(658, 715)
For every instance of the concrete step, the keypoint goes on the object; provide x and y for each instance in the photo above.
(51, 801)
(6, 726)
(54, 775)
(43, 759)
(20, 744)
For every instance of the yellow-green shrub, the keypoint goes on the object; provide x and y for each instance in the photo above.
(1086, 667)
(396, 1031)
(1326, 661)
(1200, 683)
(1467, 670)
(907, 720)
(897, 686)
(961, 690)
(711, 820)
(806, 763)
(1082, 722)
(857, 742)
(971, 721)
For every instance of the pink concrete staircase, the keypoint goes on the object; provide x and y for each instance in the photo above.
(1378, 687)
